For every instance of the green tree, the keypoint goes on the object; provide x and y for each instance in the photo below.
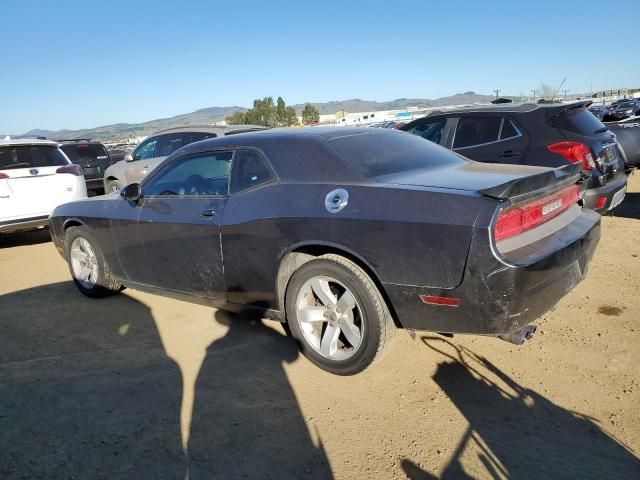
(310, 115)
(290, 117)
(263, 113)
(238, 118)
(281, 113)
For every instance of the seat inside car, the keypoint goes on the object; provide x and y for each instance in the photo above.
(249, 169)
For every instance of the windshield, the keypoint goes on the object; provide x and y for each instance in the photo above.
(31, 156)
(376, 154)
(84, 153)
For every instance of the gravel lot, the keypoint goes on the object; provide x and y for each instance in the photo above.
(122, 387)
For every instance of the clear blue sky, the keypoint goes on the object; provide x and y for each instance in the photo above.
(84, 64)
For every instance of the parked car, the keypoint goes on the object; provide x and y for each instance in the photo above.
(152, 151)
(35, 177)
(625, 110)
(599, 111)
(94, 159)
(343, 234)
(548, 135)
(627, 134)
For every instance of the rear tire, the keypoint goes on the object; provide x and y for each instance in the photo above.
(113, 186)
(337, 315)
(89, 271)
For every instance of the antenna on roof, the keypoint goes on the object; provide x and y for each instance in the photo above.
(558, 89)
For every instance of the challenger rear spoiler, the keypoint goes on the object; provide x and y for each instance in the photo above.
(532, 185)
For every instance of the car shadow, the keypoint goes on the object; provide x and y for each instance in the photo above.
(246, 419)
(515, 432)
(30, 237)
(629, 208)
(87, 390)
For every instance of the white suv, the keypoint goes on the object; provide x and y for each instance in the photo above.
(35, 177)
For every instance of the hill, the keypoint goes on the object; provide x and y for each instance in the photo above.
(204, 116)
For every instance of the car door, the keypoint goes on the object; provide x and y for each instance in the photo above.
(178, 225)
(144, 157)
(489, 138)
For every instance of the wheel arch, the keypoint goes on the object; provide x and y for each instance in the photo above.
(72, 222)
(300, 254)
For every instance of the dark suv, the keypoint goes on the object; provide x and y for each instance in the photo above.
(548, 135)
(622, 110)
(92, 157)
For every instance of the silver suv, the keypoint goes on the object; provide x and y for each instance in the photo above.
(152, 151)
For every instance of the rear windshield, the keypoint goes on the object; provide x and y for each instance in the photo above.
(31, 156)
(374, 154)
(578, 120)
(85, 152)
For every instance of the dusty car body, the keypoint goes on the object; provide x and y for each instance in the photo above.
(374, 224)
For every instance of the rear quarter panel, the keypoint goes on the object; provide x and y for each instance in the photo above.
(405, 236)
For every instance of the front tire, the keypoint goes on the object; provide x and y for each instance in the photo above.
(112, 186)
(89, 271)
(337, 315)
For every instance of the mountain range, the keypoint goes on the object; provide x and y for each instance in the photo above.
(123, 131)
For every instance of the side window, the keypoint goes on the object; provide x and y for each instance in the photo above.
(197, 136)
(146, 150)
(476, 130)
(432, 131)
(193, 175)
(508, 130)
(167, 144)
(249, 170)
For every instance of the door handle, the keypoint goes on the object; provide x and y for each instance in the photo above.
(208, 212)
(509, 153)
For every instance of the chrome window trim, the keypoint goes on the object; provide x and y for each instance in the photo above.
(518, 135)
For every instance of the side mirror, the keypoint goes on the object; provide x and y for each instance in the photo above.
(128, 157)
(131, 192)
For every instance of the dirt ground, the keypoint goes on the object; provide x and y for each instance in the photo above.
(123, 387)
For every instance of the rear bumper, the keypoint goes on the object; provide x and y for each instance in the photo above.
(94, 183)
(608, 191)
(500, 296)
(24, 224)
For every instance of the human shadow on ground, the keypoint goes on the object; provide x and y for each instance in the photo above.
(31, 237)
(515, 432)
(247, 422)
(629, 208)
(87, 390)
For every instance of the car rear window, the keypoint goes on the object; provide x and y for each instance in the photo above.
(577, 120)
(85, 152)
(31, 156)
(377, 154)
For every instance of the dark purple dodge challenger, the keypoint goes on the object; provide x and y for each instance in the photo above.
(345, 234)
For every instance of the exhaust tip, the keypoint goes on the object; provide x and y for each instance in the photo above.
(520, 336)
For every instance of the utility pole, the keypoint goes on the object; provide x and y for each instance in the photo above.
(497, 92)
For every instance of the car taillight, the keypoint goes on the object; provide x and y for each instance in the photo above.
(574, 152)
(520, 218)
(3, 175)
(72, 168)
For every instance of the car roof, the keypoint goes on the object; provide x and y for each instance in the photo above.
(523, 107)
(27, 141)
(220, 129)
